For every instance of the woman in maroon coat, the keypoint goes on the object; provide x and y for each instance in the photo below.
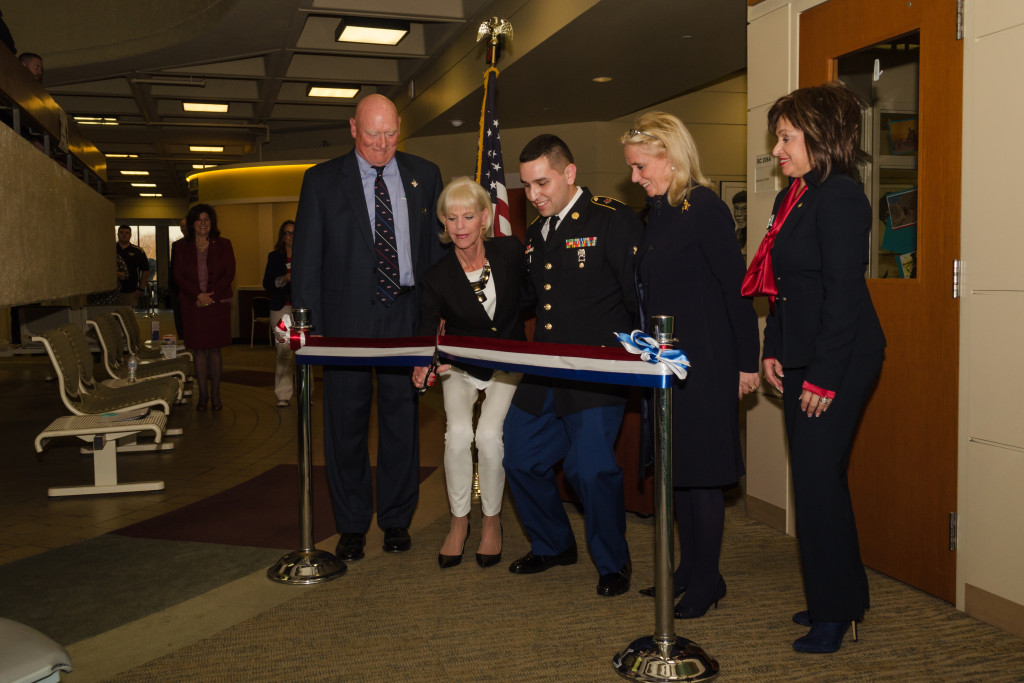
(204, 266)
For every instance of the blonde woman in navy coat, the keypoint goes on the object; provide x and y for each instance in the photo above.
(689, 266)
(823, 344)
(476, 290)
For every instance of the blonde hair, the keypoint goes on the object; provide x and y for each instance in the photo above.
(663, 135)
(465, 193)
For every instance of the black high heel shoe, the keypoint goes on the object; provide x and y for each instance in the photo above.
(698, 612)
(652, 591)
(824, 636)
(490, 560)
(447, 561)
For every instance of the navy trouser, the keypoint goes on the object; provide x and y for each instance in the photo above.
(584, 441)
(819, 452)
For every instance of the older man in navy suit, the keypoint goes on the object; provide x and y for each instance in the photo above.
(365, 230)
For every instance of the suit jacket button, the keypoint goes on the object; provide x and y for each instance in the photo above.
(547, 266)
(494, 329)
(547, 326)
(547, 287)
(547, 307)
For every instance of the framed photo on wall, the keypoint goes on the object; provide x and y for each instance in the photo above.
(734, 194)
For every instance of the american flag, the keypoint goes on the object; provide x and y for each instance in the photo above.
(490, 169)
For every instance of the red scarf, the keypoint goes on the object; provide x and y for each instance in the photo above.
(760, 277)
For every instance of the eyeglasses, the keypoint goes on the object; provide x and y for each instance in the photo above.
(634, 132)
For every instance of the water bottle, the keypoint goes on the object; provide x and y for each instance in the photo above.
(133, 368)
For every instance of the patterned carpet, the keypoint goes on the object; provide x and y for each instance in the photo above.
(398, 617)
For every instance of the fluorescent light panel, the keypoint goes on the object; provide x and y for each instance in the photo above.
(371, 30)
(202, 166)
(150, 194)
(343, 90)
(96, 120)
(122, 156)
(205, 148)
(143, 184)
(215, 107)
(134, 172)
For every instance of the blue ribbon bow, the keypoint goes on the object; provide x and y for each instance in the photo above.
(650, 351)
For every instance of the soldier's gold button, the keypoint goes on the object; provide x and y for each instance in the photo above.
(582, 264)
(548, 326)
(547, 287)
(547, 307)
(547, 266)
(494, 329)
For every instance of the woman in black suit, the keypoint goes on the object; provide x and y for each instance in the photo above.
(689, 266)
(475, 291)
(277, 281)
(823, 344)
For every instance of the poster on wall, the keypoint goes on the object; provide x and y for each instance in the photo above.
(734, 194)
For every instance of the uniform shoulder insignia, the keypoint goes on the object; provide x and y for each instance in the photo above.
(536, 220)
(607, 202)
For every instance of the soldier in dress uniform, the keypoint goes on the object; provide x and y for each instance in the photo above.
(579, 254)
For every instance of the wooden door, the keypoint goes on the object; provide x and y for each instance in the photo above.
(903, 470)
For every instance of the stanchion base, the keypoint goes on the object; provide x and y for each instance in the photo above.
(647, 660)
(302, 567)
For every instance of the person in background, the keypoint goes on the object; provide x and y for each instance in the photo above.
(689, 266)
(277, 280)
(365, 231)
(204, 266)
(823, 343)
(172, 286)
(580, 279)
(34, 63)
(134, 285)
(476, 290)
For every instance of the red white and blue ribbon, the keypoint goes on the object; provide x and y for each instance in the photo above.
(650, 351)
(610, 365)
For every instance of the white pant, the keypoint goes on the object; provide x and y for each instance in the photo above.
(460, 394)
(283, 384)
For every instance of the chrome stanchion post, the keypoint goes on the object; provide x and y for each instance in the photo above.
(664, 656)
(306, 565)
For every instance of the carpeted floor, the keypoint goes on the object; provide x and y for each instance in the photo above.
(93, 586)
(262, 512)
(398, 617)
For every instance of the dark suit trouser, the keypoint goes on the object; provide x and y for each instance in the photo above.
(348, 393)
(819, 450)
(585, 444)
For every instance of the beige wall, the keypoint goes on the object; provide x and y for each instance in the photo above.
(56, 231)
(716, 116)
(990, 555)
(991, 466)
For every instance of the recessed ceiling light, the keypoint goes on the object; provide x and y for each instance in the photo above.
(202, 166)
(150, 194)
(205, 148)
(215, 107)
(96, 120)
(134, 172)
(343, 90)
(602, 79)
(143, 184)
(371, 30)
(122, 156)
(457, 122)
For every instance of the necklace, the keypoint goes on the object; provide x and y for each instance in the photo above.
(479, 285)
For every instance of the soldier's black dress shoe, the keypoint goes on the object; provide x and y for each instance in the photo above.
(534, 564)
(615, 583)
(350, 547)
(396, 539)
